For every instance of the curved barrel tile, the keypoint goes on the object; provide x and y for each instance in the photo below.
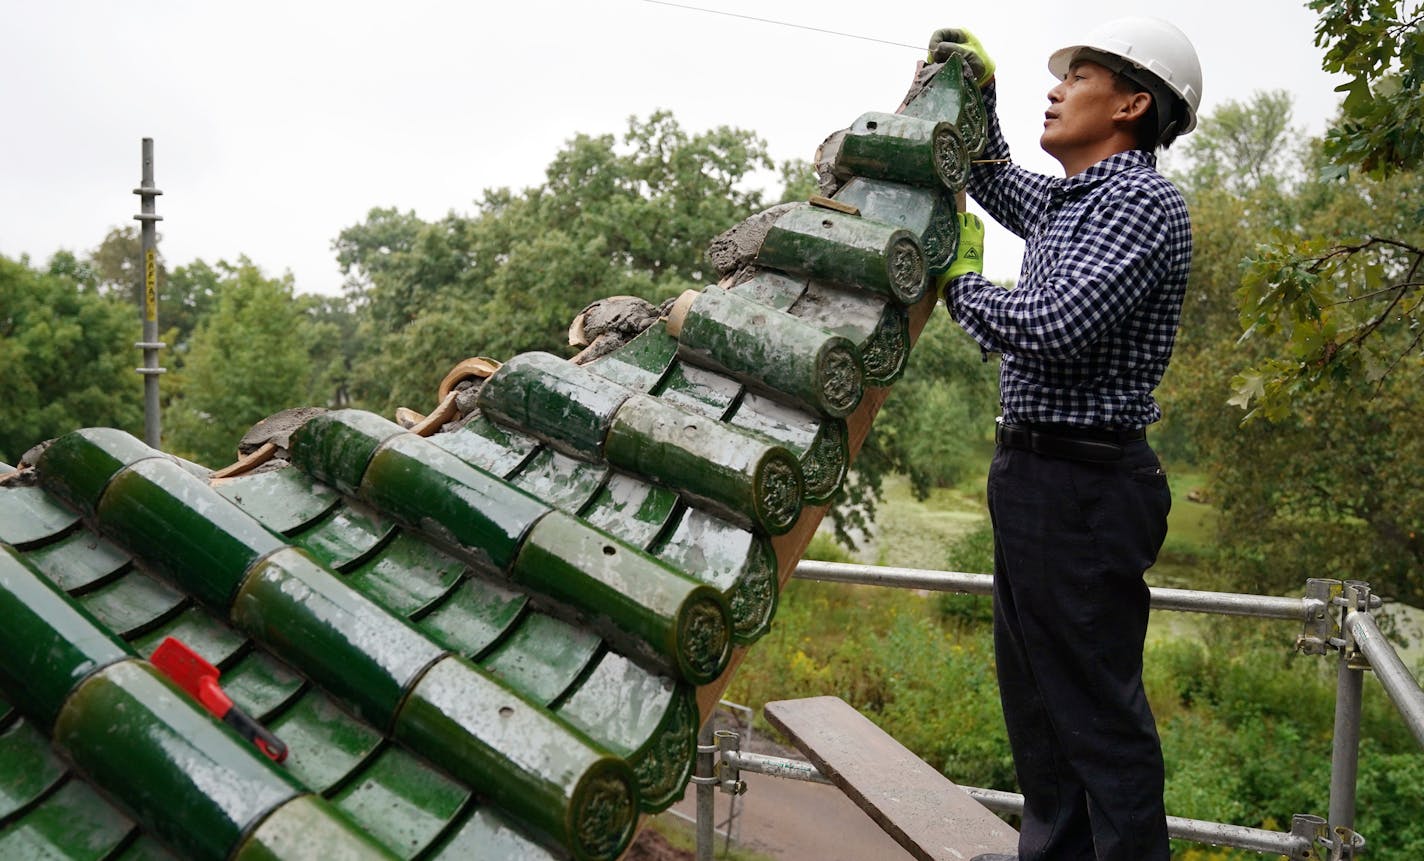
(646, 717)
(709, 463)
(638, 603)
(566, 790)
(847, 249)
(775, 351)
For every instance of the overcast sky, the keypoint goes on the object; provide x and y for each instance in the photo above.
(277, 124)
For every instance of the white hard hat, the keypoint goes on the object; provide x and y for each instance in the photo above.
(1148, 45)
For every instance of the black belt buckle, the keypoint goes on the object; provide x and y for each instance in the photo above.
(1053, 445)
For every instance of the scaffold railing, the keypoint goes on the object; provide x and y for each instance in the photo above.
(1336, 618)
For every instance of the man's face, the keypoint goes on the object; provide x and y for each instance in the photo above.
(1081, 110)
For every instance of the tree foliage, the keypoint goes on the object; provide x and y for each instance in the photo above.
(1379, 46)
(629, 215)
(248, 359)
(1341, 307)
(66, 355)
(1322, 490)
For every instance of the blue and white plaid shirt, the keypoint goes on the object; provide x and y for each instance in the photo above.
(1087, 333)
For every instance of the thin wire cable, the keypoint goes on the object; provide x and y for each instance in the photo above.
(783, 24)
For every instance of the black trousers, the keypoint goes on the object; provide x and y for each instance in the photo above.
(1071, 543)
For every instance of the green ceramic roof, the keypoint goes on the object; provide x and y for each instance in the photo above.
(486, 642)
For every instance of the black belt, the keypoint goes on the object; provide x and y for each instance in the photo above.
(1095, 445)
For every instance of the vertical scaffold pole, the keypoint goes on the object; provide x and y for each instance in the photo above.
(150, 345)
(706, 781)
(1345, 754)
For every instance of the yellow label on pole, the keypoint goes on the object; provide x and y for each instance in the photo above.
(150, 285)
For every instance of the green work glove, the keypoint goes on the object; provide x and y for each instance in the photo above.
(949, 41)
(970, 256)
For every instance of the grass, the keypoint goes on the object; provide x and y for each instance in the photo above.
(915, 534)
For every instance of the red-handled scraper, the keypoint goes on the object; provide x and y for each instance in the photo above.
(200, 678)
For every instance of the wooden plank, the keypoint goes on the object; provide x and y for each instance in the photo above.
(924, 812)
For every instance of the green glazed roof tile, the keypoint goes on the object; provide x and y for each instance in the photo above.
(74, 822)
(182, 528)
(173, 766)
(133, 603)
(403, 802)
(560, 480)
(326, 744)
(145, 848)
(305, 826)
(344, 537)
(572, 577)
(491, 447)
(474, 616)
(217, 643)
(260, 684)
(469, 511)
(79, 561)
(407, 576)
(361, 654)
(542, 657)
(482, 834)
(620, 702)
(335, 447)
(28, 768)
(642, 362)
(78, 466)
(772, 289)
(284, 500)
(698, 390)
(631, 509)
(737, 561)
(29, 516)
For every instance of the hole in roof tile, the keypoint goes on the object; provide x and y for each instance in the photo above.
(609, 550)
(828, 224)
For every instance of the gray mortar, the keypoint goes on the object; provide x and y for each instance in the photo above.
(736, 248)
(276, 428)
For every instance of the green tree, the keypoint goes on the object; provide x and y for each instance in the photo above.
(613, 216)
(66, 356)
(1342, 307)
(935, 420)
(247, 360)
(1324, 489)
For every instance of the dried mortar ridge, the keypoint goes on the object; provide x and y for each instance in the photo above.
(440, 696)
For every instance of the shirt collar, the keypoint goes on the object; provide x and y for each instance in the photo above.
(1110, 166)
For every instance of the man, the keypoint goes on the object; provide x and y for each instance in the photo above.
(1077, 498)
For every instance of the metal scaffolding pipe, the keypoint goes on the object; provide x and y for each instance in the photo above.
(150, 345)
(774, 766)
(1403, 689)
(1186, 600)
(901, 578)
(706, 782)
(1216, 833)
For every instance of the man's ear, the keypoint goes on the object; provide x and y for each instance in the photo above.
(1134, 107)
